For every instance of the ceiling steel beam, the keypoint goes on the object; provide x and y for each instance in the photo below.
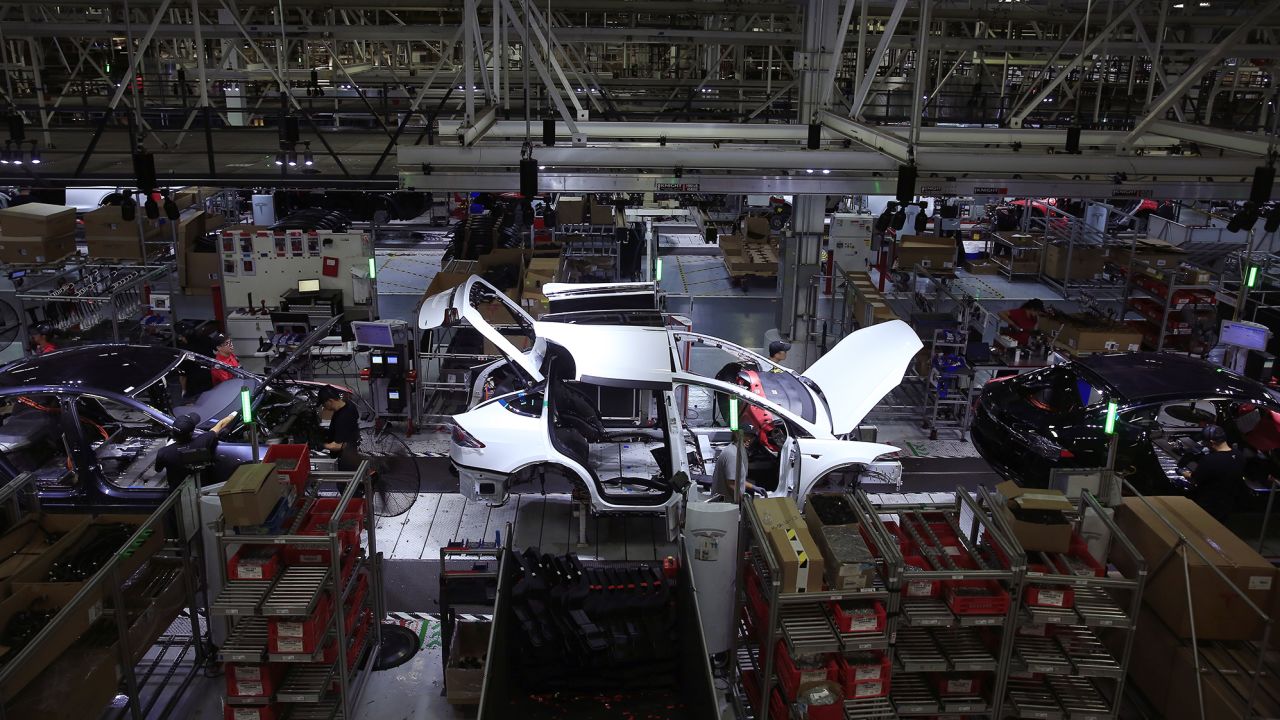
(1253, 144)
(891, 145)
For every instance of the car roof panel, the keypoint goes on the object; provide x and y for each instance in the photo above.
(122, 369)
(1140, 377)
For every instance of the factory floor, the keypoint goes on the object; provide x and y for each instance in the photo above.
(699, 288)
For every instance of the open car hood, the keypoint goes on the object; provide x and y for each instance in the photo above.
(861, 369)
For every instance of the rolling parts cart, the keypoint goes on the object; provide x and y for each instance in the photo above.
(303, 607)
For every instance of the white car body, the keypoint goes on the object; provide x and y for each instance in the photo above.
(531, 432)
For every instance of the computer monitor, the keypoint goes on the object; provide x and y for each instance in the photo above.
(1244, 334)
(309, 286)
(373, 334)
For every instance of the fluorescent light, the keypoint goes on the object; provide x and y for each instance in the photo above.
(826, 172)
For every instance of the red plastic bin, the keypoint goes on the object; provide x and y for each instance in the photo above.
(864, 676)
(251, 712)
(300, 635)
(292, 461)
(919, 588)
(254, 562)
(316, 523)
(1079, 551)
(1053, 596)
(858, 620)
(994, 601)
(953, 685)
(792, 677)
(252, 680)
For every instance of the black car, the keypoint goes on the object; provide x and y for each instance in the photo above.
(1028, 425)
(88, 421)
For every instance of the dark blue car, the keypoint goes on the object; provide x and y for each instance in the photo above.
(88, 421)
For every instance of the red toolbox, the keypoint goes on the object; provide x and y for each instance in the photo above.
(919, 588)
(316, 523)
(962, 685)
(250, 712)
(300, 635)
(792, 676)
(863, 675)
(292, 461)
(1053, 596)
(254, 562)
(976, 597)
(253, 680)
(858, 616)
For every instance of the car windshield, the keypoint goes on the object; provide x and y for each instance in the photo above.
(1064, 390)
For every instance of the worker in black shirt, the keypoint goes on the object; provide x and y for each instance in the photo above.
(1218, 477)
(343, 438)
(172, 458)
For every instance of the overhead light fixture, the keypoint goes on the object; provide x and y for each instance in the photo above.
(16, 157)
(308, 159)
(35, 155)
(292, 158)
(810, 171)
(279, 158)
(542, 167)
(151, 207)
(826, 172)
(4, 155)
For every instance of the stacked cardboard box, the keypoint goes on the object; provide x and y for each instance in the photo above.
(37, 233)
(1084, 263)
(1082, 335)
(849, 562)
(870, 307)
(933, 253)
(748, 257)
(800, 560)
(570, 210)
(109, 235)
(542, 270)
(197, 271)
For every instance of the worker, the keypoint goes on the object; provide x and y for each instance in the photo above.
(171, 458)
(778, 350)
(1024, 320)
(193, 377)
(343, 437)
(225, 353)
(1218, 476)
(729, 479)
(42, 338)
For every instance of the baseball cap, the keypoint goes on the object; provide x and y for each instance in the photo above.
(184, 425)
(778, 346)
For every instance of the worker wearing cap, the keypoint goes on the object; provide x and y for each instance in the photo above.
(778, 350)
(40, 338)
(1218, 478)
(170, 459)
(343, 437)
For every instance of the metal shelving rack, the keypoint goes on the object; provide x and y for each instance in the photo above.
(933, 643)
(91, 294)
(1024, 253)
(949, 393)
(1171, 279)
(1067, 672)
(151, 686)
(248, 605)
(802, 622)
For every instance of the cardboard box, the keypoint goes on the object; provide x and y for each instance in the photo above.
(194, 195)
(121, 248)
(848, 561)
(570, 210)
(748, 257)
(776, 513)
(927, 251)
(78, 685)
(108, 222)
(1082, 336)
(602, 214)
(470, 641)
(1220, 613)
(200, 272)
(251, 493)
(982, 267)
(1085, 262)
(37, 571)
(72, 624)
(38, 220)
(31, 537)
(1155, 252)
(876, 312)
(757, 228)
(35, 250)
(1036, 517)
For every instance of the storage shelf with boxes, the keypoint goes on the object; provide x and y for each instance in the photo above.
(37, 234)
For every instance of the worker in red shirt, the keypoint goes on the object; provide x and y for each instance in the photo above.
(225, 353)
(40, 338)
(1024, 320)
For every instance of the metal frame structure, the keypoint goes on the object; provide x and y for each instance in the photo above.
(295, 591)
(177, 520)
(710, 85)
